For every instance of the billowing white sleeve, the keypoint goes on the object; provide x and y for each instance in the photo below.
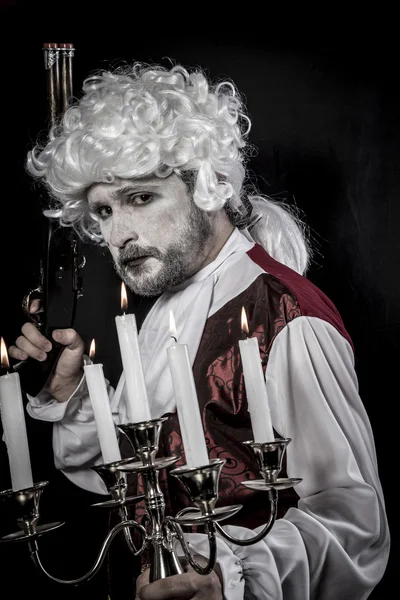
(76, 444)
(335, 544)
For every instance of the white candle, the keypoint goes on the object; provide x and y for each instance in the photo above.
(187, 403)
(14, 427)
(102, 411)
(256, 390)
(138, 408)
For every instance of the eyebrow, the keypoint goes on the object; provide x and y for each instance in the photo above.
(132, 188)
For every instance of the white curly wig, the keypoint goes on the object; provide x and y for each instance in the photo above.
(148, 120)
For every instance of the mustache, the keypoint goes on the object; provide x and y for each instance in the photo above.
(126, 255)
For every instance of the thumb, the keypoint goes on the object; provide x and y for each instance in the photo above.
(70, 363)
(69, 338)
(141, 581)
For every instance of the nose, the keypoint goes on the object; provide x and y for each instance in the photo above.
(122, 230)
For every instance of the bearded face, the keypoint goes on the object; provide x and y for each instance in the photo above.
(156, 234)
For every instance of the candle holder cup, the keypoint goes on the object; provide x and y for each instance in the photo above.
(269, 457)
(24, 509)
(161, 534)
(116, 484)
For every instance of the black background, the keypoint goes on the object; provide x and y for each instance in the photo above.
(322, 92)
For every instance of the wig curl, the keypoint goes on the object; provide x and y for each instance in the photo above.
(146, 120)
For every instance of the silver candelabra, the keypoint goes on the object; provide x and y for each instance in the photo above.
(158, 532)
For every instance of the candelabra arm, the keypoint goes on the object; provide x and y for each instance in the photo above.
(123, 512)
(210, 530)
(273, 500)
(34, 554)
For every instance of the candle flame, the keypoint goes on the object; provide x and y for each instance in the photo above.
(92, 350)
(245, 325)
(124, 297)
(4, 355)
(172, 326)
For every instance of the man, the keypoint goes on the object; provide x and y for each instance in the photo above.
(152, 163)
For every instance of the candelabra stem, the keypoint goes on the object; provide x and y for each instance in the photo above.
(273, 500)
(34, 554)
(163, 560)
(144, 438)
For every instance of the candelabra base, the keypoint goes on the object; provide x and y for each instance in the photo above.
(156, 464)
(279, 484)
(191, 516)
(119, 503)
(21, 536)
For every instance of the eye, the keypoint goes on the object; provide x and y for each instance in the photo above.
(103, 212)
(139, 199)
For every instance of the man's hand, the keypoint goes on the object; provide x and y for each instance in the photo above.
(69, 367)
(186, 586)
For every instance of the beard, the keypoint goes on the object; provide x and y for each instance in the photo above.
(157, 271)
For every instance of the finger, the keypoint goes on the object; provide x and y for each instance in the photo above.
(142, 580)
(16, 353)
(22, 343)
(33, 335)
(176, 586)
(34, 306)
(70, 338)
